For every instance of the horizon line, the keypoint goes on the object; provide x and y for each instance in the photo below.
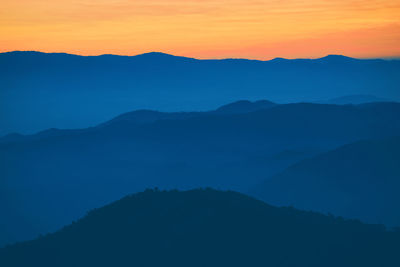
(178, 56)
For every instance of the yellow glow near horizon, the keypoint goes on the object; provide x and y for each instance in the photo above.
(204, 28)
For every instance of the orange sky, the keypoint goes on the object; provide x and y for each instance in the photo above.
(261, 29)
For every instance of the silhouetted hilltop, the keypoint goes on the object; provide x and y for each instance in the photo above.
(359, 180)
(206, 228)
(40, 90)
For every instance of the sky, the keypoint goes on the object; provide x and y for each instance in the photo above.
(262, 29)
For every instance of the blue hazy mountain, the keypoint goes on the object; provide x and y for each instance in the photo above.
(148, 116)
(359, 180)
(206, 228)
(51, 178)
(244, 106)
(354, 100)
(40, 91)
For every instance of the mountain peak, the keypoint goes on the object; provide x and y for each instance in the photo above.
(336, 58)
(279, 59)
(156, 53)
(160, 55)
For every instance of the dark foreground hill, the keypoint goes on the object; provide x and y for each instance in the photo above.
(359, 180)
(206, 228)
(39, 91)
(49, 179)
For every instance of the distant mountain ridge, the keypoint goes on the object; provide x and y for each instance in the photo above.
(206, 228)
(333, 57)
(244, 106)
(359, 180)
(41, 91)
(150, 116)
(354, 100)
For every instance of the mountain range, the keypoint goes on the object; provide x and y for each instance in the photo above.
(40, 91)
(206, 228)
(53, 177)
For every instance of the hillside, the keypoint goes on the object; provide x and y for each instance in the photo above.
(359, 180)
(40, 91)
(206, 228)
